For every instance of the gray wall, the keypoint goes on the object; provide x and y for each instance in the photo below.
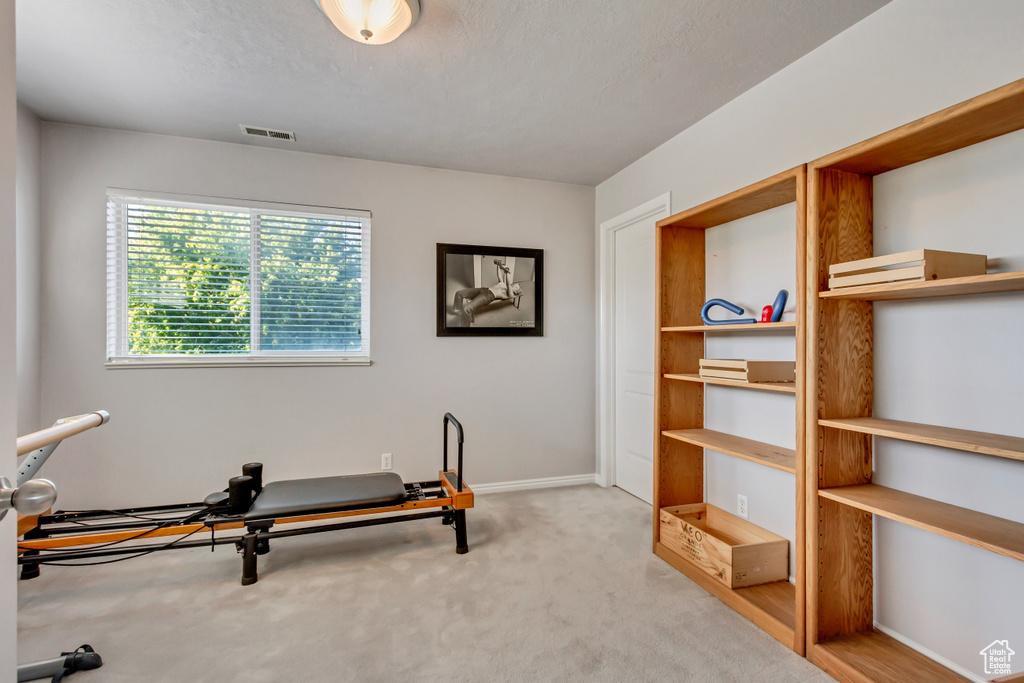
(527, 404)
(955, 362)
(29, 284)
(8, 343)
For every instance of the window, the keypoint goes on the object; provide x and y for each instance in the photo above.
(229, 282)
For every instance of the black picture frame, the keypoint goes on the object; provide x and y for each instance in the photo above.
(464, 271)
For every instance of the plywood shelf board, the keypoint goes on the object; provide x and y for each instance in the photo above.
(771, 606)
(767, 194)
(987, 116)
(872, 656)
(783, 387)
(755, 451)
(776, 599)
(988, 532)
(745, 327)
(946, 437)
(956, 286)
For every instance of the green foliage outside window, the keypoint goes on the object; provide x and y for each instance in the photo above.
(310, 285)
(190, 280)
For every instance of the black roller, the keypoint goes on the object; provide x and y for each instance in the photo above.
(254, 470)
(240, 494)
(216, 499)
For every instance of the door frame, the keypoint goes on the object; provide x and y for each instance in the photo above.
(657, 208)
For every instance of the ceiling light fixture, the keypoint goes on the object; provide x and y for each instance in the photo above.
(372, 22)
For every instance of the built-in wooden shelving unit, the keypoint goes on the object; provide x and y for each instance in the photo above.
(840, 497)
(776, 607)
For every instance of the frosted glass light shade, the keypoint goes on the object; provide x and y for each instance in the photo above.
(372, 22)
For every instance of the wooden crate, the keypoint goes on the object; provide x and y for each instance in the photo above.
(730, 549)
(919, 265)
(748, 370)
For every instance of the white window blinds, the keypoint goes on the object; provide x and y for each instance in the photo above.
(192, 282)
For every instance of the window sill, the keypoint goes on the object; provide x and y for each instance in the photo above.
(234, 362)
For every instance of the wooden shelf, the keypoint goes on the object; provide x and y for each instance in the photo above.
(954, 286)
(770, 193)
(960, 439)
(783, 387)
(755, 451)
(987, 116)
(874, 656)
(770, 606)
(998, 535)
(745, 327)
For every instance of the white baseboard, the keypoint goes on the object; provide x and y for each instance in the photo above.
(526, 484)
(929, 654)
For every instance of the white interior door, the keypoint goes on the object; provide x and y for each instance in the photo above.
(634, 359)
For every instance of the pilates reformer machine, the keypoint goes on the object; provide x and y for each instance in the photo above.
(255, 508)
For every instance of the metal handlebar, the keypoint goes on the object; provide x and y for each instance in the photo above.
(448, 417)
(36, 496)
(61, 429)
(40, 445)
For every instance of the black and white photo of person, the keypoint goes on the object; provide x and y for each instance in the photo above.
(474, 298)
(490, 291)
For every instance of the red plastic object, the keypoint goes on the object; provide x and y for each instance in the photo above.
(766, 314)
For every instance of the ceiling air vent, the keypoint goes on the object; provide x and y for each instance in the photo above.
(267, 133)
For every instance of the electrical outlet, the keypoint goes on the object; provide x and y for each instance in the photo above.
(385, 461)
(741, 506)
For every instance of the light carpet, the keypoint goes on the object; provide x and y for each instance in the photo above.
(559, 585)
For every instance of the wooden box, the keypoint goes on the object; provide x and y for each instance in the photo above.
(730, 549)
(908, 266)
(748, 370)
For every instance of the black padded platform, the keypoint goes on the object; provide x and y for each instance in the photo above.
(326, 494)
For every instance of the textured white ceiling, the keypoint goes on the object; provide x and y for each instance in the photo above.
(566, 90)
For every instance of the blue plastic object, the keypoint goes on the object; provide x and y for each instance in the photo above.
(780, 303)
(728, 306)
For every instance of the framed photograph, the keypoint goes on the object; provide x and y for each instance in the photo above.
(489, 291)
